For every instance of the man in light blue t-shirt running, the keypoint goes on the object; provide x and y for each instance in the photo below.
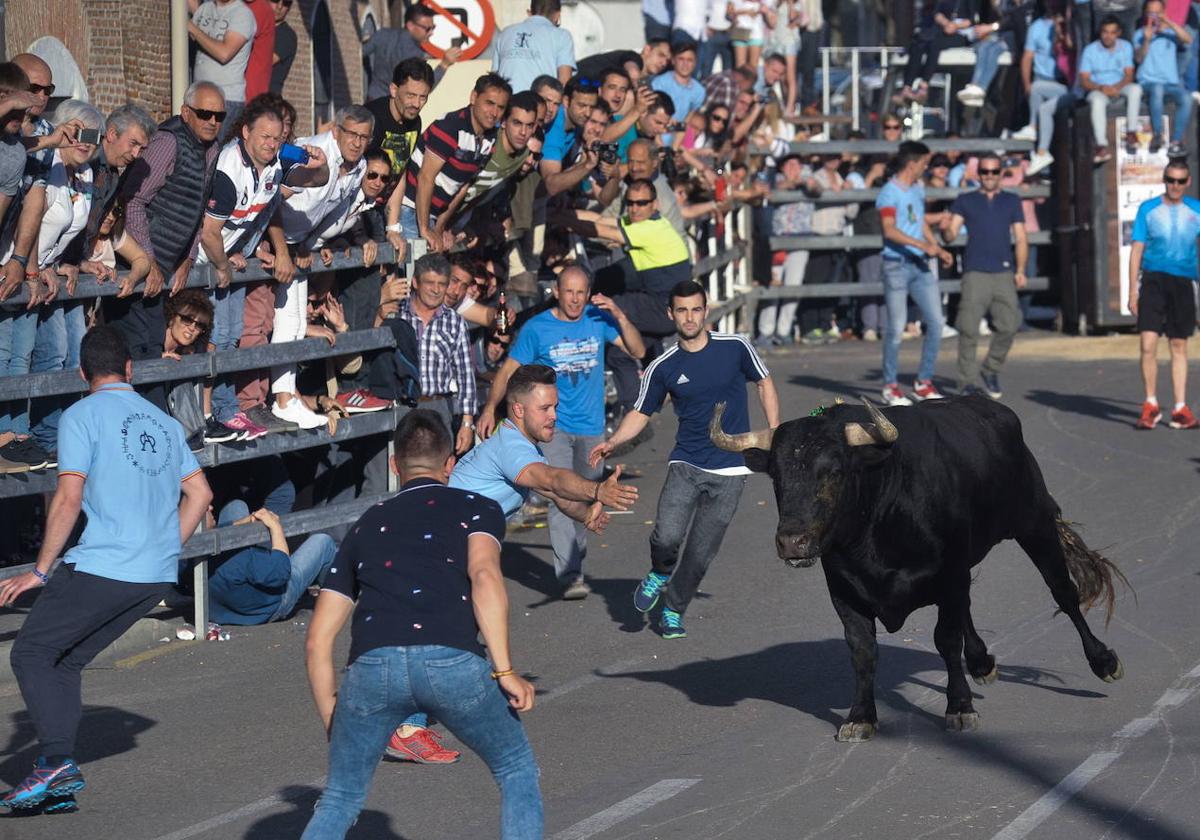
(571, 338)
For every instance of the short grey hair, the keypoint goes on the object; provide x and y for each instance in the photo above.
(127, 116)
(431, 264)
(76, 109)
(189, 96)
(355, 114)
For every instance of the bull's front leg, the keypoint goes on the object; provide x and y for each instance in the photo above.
(948, 636)
(862, 720)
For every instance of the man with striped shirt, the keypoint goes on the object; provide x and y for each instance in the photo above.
(448, 156)
(704, 484)
(444, 353)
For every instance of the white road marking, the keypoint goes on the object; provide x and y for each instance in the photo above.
(234, 815)
(626, 808)
(1099, 761)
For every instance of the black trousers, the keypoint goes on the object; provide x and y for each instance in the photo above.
(76, 616)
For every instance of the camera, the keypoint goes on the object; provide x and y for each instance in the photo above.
(90, 136)
(293, 155)
(676, 125)
(607, 152)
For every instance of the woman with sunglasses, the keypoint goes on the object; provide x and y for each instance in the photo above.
(111, 240)
(189, 317)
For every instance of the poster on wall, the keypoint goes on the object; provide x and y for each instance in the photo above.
(1139, 178)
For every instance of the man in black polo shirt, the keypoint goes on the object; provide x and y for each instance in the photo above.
(421, 574)
(991, 275)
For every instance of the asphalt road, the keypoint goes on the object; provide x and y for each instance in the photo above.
(729, 733)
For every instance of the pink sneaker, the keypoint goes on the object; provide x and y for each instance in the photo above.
(923, 390)
(246, 428)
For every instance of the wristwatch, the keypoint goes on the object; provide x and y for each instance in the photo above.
(468, 424)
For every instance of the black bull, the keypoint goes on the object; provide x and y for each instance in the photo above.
(899, 507)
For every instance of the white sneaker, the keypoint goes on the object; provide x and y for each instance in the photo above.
(972, 96)
(297, 412)
(1039, 161)
(1029, 132)
(948, 331)
(984, 329)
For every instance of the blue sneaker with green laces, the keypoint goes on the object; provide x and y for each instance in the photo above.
(46, 781)
(671, 624)
(646, 594)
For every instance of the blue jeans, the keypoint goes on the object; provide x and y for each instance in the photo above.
(902, 278)
(718, 44)
(228, 309)
(1183, 108)
(18, 333)
(987, 58)
(59, 334)
(387, 684)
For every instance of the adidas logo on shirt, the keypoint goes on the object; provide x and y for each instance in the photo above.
(682, 380)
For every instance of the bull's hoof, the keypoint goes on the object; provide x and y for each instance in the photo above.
(855, 733)
(988, 678)
(962, 722)
(801, 562)
(1116, 673)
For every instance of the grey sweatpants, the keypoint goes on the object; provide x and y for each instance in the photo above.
(986, 293)
(706, 502)
(568, 538)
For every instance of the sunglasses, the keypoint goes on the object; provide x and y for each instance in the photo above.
(639, 202)
(989, 171)
(589, 84)
(46, 89)
(498, 342)
(204, 115)
(1179, 182)
(719, 119)
(192, 321)
(891, 128)
(376, 176)
(424, 27)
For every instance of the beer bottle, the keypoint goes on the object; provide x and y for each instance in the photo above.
(502, 325)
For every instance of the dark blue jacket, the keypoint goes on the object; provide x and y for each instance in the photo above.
(248, 587)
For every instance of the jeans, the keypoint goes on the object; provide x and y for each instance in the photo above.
(1044, 97)
(382, 688)
(409, 226)
(1098, 101)
(868, 268)
(902, 278)
(987, 58)
(568, 537)
(1183, 109)
(228, 311)
(707, 502)
(712, 47)
(777, 318)
(76, 617)
(983, 293)
(59, 334)
(655, 29)
(18, 334)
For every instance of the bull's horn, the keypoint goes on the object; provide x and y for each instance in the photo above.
(880, 432)
(760, 439)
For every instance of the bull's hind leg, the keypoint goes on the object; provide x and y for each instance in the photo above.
(862, 719)
(981, 665)
(1044, 546)
(948, 636)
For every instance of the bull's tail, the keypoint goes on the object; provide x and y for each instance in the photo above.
(1092, 572)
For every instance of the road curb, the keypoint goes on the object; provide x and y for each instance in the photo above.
(143, 635)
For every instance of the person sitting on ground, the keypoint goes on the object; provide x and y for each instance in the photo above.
(255, 585)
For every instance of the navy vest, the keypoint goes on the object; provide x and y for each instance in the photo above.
(178, 209)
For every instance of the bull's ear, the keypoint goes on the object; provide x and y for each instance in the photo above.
(871, 456)
(757, 459)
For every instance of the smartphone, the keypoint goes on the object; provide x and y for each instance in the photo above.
(91, 136)
(292, 154)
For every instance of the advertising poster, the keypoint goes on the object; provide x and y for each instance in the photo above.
(1139, 178)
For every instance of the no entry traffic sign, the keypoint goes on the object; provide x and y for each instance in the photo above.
(467, 24)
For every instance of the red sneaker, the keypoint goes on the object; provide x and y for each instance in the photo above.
(1184, 419)
(1151, 414)
(923, 390)
(361, 402)
(892, 395)
(423, 746)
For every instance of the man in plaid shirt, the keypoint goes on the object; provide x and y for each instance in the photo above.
(723, 88)
(447, 376)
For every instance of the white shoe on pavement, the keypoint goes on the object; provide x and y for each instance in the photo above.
(1029, 132)
(1038, 161)
(297, 412)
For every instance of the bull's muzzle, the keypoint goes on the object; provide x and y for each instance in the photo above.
(797, 549)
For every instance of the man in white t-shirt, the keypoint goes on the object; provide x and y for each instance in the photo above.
(223, 31)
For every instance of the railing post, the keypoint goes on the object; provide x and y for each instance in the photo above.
(825, 92)
(200, 592)
(854, 83)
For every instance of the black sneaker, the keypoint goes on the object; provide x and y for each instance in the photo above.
(1176, 150)
(263, 416)
(25, 452)
(195, 441)
(217, 432)
(991, 384)
(51, 461)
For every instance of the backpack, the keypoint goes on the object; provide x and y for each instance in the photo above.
(397, 375)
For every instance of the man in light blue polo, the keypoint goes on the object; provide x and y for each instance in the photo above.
(687, 93)
(126, 464)
(571, 338)
(535, 47)
(1106, 74)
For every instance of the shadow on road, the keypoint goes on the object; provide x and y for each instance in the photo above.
(853, 392)
(105, 731)
(371, 825)
(1114, 411)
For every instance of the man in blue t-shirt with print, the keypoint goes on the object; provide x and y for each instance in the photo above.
(992, 273)
(571, 337)
(704, 484)
(1106, 74)
(908, 244)
(126, 465)
(1162, 293)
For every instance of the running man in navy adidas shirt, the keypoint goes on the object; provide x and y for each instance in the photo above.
(704, 484)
